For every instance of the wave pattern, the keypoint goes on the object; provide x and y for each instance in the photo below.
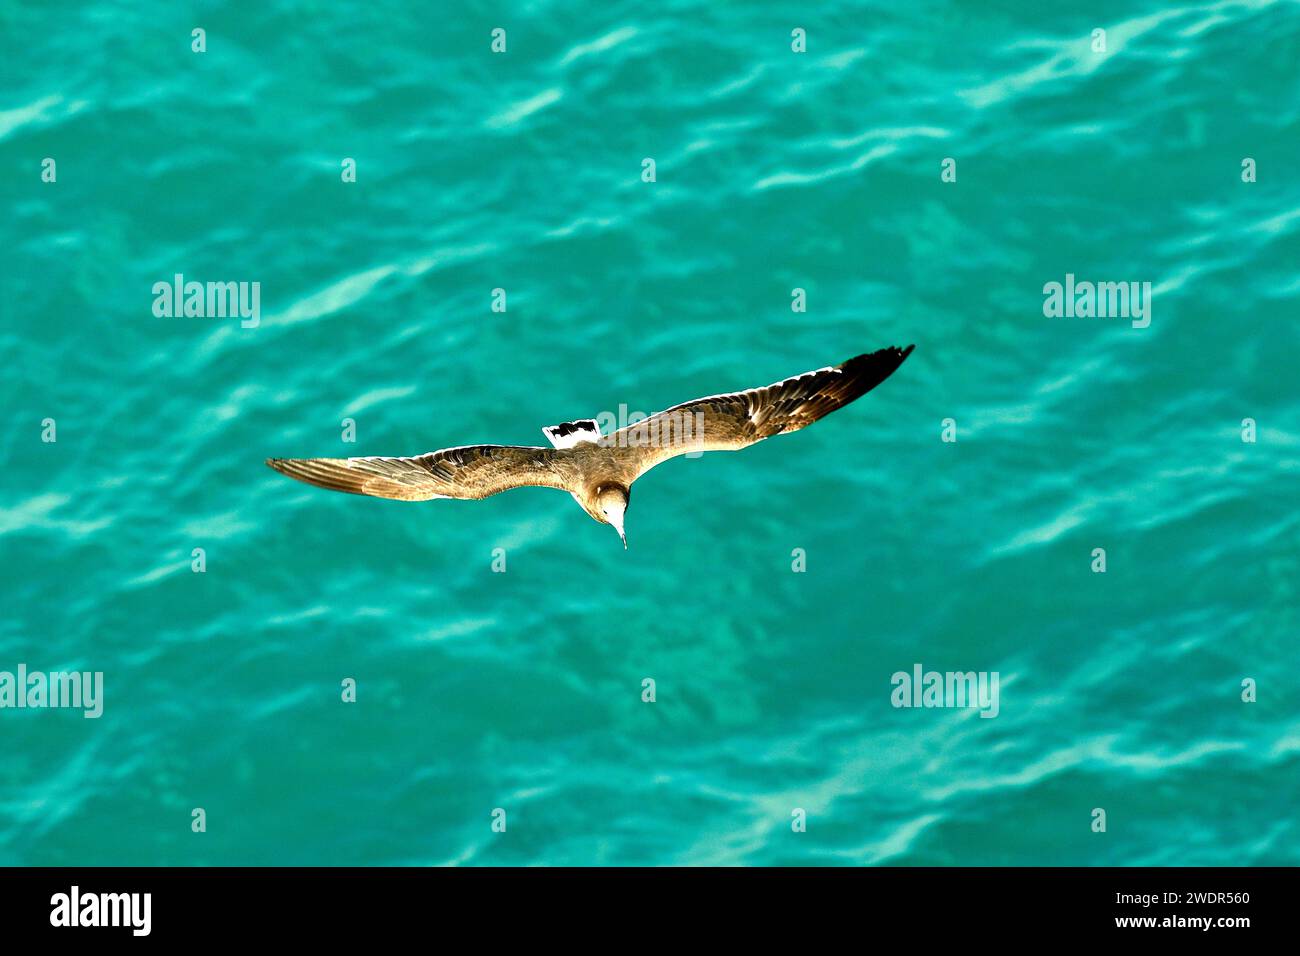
(522, 690)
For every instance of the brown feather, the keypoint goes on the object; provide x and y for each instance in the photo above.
(739, 419)
(473, 471)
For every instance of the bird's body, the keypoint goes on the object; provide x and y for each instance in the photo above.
(599, 470)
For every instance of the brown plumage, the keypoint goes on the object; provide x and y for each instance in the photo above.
(599, 473)
(473, 471)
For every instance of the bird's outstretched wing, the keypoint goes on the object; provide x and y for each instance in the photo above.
(738, 419)
(472, 471)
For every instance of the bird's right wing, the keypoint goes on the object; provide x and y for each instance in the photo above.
(737, 419)
(471, 471)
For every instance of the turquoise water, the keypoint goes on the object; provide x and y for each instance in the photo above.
(522, 690)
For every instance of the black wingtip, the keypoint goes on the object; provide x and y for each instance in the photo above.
(882, 361)
(867, 371)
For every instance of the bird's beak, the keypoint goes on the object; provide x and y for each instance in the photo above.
(617, 521)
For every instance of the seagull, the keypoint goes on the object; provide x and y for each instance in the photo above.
(599, 470)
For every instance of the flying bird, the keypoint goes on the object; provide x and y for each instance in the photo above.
(599, 470)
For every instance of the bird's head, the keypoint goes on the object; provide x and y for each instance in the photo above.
(608, 505)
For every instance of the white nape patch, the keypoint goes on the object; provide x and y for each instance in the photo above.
(568, 434)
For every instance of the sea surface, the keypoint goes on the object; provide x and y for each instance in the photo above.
(486, 696)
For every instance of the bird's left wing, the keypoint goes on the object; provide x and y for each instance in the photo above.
(471, 471)
(737, 419)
